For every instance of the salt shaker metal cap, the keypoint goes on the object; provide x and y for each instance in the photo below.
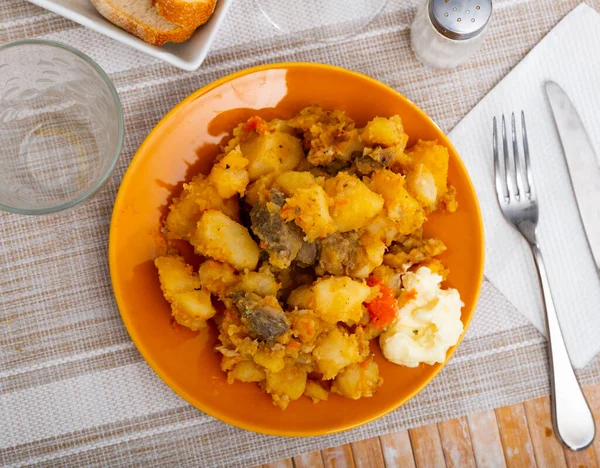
(446, 33)
(460, 19)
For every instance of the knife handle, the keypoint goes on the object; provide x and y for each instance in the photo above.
(573, 419)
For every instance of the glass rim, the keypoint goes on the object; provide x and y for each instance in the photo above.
(103, 178)
(326, 41)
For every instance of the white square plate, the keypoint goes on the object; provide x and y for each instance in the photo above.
(188, 55)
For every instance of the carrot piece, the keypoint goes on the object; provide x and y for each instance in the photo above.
(383, 309)
(257, 124)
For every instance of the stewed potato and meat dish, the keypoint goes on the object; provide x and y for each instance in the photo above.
(311, 234)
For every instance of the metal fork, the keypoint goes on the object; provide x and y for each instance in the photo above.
(518, 201)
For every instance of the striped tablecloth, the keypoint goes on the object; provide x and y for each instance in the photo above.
(74, 390)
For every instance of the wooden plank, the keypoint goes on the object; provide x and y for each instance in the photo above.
(546, 446)
(309, 460)
(514, 433)
(485, 438)
(287, 463)
(427, 446)
(583, 458)
(592, 394)
(397, 450)
(519, 435)
(338, 457)
(456, 443)
(367, 453)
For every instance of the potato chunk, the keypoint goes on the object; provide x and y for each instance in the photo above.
(289, 182)
(303, 297)
(287, 385)
(339, 299)
(385, 132)
(217, 277)
(334, 351)
(354, 205)
(258, 191)
(309, 209)
(175, 276)
(192, 309)
(430, 156)
(229, 176)
(197, 196)
(246, 371)
(398, 202)
(272, 152)
(219, 237)
(404, 213)
(420, 183)
(306, 326)
(272, 360)
(358, 380)
(262, 283)
(190, 304)
(315, 391)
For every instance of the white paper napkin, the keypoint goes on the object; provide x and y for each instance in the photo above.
(569, 55)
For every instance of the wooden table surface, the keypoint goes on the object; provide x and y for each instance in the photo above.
(513, 436)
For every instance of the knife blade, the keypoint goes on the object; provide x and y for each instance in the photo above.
(582, 161)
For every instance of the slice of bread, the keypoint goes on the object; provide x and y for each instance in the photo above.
(188, 14)
(139, 17)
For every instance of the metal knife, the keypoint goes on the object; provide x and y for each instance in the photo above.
(582, 161)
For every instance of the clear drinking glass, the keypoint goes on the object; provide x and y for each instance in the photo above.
(321, 20)
(61, 127)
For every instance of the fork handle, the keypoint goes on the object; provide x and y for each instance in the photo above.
(573, 419)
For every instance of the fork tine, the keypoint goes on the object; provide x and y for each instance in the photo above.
(518, 173)
(501, 187)
(507, 167)
(528, 179)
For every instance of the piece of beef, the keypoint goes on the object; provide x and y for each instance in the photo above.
(307, 255)
(337, 252)
(377, 159)
(281, 240)
(277, 197)
(336, 166)
(263, 316)
(366, 165)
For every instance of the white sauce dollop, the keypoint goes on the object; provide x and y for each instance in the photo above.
(427, 325)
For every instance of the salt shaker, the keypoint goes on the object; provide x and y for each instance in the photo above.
(446, 33)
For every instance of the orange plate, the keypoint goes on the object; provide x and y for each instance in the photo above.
(184, 143)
